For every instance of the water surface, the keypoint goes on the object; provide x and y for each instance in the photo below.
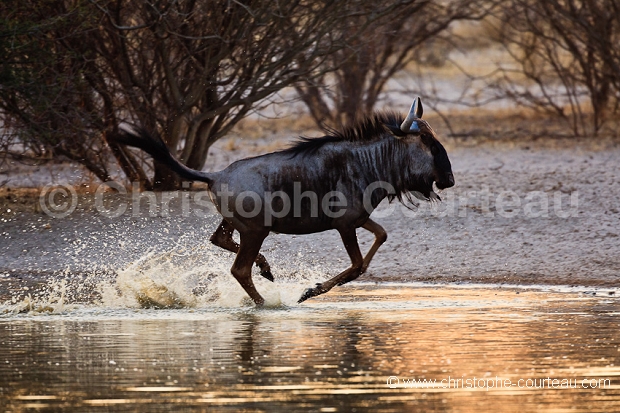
(355, 349)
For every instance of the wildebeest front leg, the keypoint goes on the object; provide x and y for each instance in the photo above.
(242, 267)
(223, 238)
(350, 243)
(380, 238)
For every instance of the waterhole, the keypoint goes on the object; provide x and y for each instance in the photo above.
(390, 347)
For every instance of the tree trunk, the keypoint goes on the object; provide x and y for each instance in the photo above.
(164, 179)
(313, 99)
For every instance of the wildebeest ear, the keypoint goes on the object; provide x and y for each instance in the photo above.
(396, 131)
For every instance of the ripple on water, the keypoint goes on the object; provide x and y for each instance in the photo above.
(169, 332)
(337, 351)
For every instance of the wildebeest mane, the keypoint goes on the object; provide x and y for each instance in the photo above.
(366, 129)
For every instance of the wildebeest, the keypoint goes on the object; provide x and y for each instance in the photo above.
(333, 182)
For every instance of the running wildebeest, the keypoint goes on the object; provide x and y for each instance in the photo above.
(333, 182)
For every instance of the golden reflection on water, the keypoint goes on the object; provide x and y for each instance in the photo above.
(335, 353)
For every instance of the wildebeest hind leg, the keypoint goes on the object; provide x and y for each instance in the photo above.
(223, 238)
(350, 243)
(242, 267)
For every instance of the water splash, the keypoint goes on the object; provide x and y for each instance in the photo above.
(52, 299)
(189, 277)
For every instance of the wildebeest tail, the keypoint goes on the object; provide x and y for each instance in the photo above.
(155, 146)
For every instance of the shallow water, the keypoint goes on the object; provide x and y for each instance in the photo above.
(333, 353)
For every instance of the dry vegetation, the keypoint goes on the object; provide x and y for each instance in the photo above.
(488, 71)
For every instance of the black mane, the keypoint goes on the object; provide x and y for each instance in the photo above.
(365, 129)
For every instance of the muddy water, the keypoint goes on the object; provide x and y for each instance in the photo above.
(355, 349)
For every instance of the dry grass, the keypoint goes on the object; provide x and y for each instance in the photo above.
(253, 128)
(466, 126)
(474, 35)
(17, 200)
(262, 135)
(516, 126)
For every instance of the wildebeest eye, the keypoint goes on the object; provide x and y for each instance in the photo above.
(434, 150)
(429, 142)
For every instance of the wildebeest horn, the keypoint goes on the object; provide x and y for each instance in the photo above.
(410, 125)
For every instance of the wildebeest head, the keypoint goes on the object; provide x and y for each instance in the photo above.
(425, 149)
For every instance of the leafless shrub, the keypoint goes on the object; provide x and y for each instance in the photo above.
(363, 68)
(566, 59)
(47, 107)
(75, 69)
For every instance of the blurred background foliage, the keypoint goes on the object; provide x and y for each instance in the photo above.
(72, 71)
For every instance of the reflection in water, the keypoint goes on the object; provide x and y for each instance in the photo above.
(334, 353)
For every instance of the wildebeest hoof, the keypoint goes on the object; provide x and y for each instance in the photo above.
(311, 292)
(267, 274)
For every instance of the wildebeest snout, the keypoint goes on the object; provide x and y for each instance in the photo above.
(447, 181)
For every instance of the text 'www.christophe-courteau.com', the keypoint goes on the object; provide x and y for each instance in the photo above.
(497, 383)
